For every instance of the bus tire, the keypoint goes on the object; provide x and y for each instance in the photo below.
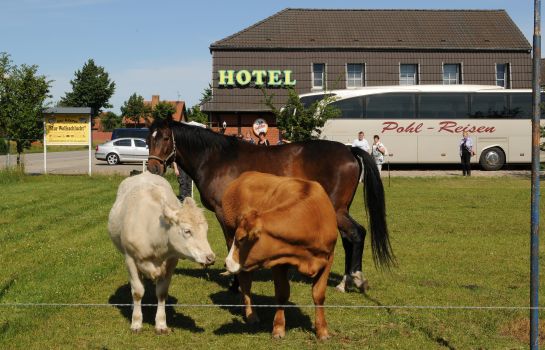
(492, 159)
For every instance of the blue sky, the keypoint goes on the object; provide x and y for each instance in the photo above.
(161, 47)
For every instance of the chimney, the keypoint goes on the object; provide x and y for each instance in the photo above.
(154, 100)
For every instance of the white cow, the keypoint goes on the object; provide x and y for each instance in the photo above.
(153, 230)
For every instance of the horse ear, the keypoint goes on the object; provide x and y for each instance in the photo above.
(148, 122)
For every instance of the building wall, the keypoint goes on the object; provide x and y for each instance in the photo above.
(381, 68)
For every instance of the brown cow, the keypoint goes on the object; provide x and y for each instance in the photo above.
(278, 222)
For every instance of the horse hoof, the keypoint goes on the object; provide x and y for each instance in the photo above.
(341, 288)
(252, 318)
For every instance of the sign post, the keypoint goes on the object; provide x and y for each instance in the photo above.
(534, 231)
(67, 126)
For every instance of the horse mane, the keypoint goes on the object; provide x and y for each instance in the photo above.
(195, 138)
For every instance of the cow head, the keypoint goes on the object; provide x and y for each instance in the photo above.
(187, 232)
(249, 229)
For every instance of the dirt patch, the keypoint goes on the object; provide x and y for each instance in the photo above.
(520, 329)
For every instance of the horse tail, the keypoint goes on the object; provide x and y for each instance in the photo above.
(374, 200)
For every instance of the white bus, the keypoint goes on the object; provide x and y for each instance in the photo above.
(424, 123)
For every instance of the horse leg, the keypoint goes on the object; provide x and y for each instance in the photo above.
(229, 236)
(137, 291)
(245, 280)
(161, 290)
(353, 238)
(318, 295)
(356, 271)
(282, 295)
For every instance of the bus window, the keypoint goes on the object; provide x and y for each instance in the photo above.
(521, 106)
(442, 106)
(350, 108)
(393, 106)
(488, 105)
(307, 101)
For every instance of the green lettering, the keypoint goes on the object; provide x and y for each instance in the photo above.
(226, 77)
(287, 78)
(243, 77)
(259, 75)
(274, 78)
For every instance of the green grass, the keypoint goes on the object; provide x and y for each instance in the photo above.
(458, 241)
(38, 147)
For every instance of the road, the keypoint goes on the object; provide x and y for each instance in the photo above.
(76, 162)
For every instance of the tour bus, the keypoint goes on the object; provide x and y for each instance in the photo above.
(424, 123)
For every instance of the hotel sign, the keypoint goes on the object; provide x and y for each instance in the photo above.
(269, 78)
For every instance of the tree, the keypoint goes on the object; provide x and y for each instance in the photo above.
(23, 93)
(298, 122)
(110, 121)
(135, 108)
(91, 87)
(195, 114)
(163, 110)
(206, 95)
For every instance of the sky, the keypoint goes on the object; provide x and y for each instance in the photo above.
(161, 47)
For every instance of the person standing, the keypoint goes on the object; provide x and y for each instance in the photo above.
(362, 143)
(263, 140)
(466, 152)
(248, 138)
(378, 152)
(184, 181)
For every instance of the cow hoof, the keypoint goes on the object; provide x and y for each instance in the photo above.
(252, 318)
(278, 333)
(324, 335)
(161, 331)
(136, 330)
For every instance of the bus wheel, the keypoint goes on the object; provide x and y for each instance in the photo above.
(492, 159)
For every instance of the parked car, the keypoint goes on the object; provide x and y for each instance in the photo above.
(141, 133)
(127, 149)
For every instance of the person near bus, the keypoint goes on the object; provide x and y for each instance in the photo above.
(466, 152)
(361, 142)
(378, 152)
(263, 140)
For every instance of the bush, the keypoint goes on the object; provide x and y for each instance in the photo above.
(3, 146)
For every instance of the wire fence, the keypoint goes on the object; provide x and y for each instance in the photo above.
(300, 306)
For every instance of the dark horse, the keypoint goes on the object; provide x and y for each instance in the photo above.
(213, 160)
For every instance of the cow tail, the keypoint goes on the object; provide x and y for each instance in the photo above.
(374, 198)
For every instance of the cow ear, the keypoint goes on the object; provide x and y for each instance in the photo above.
(240, 233)
(190, 202)
(251, 222)
(169, 214)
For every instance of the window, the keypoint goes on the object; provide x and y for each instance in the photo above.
(502, 75)
(307, 101)
(350, 108)
(442, 106)
(408, 74)
(451, 74)
(140, 143)
(521, 106)
(488, 105)
(390, 106)
(318, 74)
(124, 142)
(354, 75)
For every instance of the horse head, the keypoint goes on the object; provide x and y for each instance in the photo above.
(162, 148)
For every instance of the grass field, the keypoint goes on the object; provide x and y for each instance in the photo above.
(459, 241)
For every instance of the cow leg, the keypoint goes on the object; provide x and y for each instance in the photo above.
(137, 291)
(161, 290)
(282, 295)
(319, 286)
(245, 280)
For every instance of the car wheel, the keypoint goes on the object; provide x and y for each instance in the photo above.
(492, 159)
(112, 159)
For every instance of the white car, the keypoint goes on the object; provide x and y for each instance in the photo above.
(126, 149)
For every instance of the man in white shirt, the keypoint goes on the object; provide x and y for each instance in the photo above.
(361, 143)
